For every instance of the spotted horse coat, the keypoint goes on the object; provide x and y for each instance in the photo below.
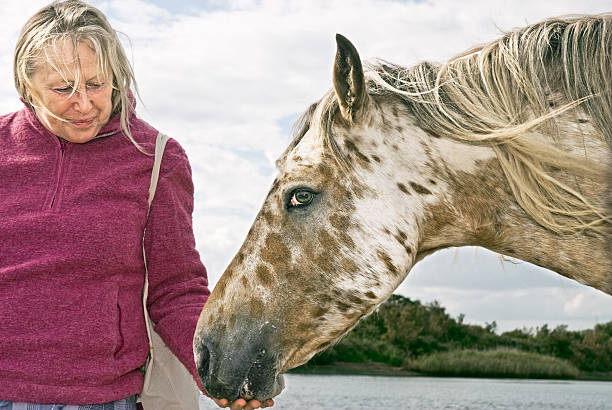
(367, 189)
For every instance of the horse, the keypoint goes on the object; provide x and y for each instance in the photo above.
(506, 146)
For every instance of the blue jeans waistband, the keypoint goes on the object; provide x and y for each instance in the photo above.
(123, 404)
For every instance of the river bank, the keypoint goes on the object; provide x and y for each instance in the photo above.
(382, 369)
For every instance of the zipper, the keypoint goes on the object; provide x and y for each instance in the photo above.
(60, 171)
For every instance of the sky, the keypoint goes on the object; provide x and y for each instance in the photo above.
(228, 78)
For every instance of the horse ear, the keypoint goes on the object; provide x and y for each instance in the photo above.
(349, 82)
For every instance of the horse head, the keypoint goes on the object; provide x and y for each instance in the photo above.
(367, 188)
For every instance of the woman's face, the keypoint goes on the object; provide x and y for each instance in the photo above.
(84, 111)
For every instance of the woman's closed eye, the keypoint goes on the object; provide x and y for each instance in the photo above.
(94, 86)
(63, 90)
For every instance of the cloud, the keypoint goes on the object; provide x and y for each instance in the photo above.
(227, 78)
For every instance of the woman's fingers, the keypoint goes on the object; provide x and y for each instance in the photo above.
(241, 404)
(238, 404)
(253, 404)
(221, 402)
(267, 403)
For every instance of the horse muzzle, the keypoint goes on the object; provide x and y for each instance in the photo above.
(240, 363)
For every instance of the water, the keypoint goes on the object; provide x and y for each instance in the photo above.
(322, 392)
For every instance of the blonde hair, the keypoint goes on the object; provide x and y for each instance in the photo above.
(77, 22)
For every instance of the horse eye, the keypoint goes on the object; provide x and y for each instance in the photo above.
(301, 197)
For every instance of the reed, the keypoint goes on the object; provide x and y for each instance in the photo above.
(493, 363)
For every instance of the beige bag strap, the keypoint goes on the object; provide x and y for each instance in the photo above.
(168, 385)
(160, 145)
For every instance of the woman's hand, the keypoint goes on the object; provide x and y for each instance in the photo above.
(241, 404)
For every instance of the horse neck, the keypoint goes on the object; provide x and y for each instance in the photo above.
(479, 209)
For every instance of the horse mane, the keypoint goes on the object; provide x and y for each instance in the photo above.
(499, 95)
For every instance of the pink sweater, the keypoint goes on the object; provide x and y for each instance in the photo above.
(71, 270)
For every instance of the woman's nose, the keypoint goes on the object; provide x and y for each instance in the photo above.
(81, 101)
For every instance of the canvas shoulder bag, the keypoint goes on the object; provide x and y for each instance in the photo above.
(167, 383)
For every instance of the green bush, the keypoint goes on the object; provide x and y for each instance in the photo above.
(493, 363)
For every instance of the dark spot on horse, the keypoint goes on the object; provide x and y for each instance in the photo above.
(348, 265)
(347, 240)
(244, 281)
(268, 217)
(324, 262)
(264, 277)
(309, 249)
(324, 299)
(327, 241)
(319, 311)
(304, 327)
(511, 251)
(376, 158)
(420, 188)
(352, 316)
(342, 307)
(432, 182)
(370, 294)
(325, 171)
(399, 128)
(256, 307)
(353, 148)
(323, 345)
(582, 120)
(340, 194)
(239, 257)
(402, 235)
(355, 300)
(350, 145)
(395, 111)
(297, 158)
(403, 188)
(219, 290)
(339, 221)
(362, 157)
(386, 259)
(275, 252)
(274, 186)
(395, 147)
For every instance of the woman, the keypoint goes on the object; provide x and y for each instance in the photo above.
(75, 166)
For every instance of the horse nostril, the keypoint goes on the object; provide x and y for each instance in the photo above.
(203, 362)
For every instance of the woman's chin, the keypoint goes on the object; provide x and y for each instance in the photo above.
(80, 135)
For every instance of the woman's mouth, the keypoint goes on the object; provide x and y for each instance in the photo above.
(82, 123)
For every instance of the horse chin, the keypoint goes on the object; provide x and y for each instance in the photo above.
(252, 388)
